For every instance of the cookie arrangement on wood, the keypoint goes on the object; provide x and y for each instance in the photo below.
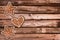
(8, 32)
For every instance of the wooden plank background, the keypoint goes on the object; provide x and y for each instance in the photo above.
(42, 19)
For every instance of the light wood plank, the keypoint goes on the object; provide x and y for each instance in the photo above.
(35, 36)
(34, 9)
(33, 16)
(27, 39)
(43, 1)
(33, 23)
(48, 36)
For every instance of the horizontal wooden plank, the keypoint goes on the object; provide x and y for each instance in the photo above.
(31, 2)
(41, 1)
(37, 30)
(43, 36)
(40, 16)
(33, 23)
(31, 39)
(33, 16)
(34, 37)
(27, 39)
(37, 3)
(33, 9)
(56, 1)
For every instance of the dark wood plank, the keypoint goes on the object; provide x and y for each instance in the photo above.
(36, 3)
(31, 2)
(37, 30)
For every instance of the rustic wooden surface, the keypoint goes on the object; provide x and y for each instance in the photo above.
(42, 19)
(34, 23)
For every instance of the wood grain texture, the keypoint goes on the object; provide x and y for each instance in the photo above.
(34, 1)
(36, 36)
(42, 19)
(34, 9)
(37, 9)
(33, 23)
(33, 16)
(34, 39)
(42, 1)
(37, 30)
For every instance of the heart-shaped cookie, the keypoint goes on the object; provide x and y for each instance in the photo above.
(18, 21)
